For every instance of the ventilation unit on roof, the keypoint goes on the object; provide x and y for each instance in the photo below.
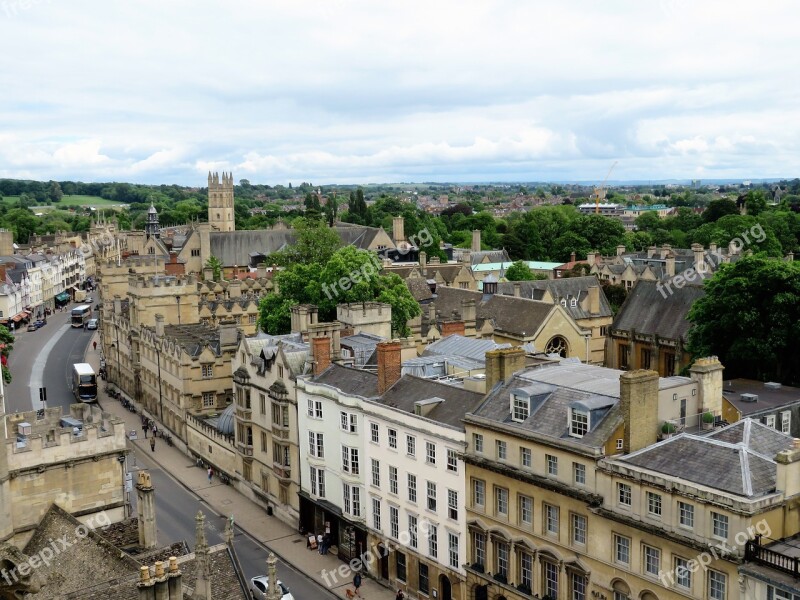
(749, 397)
(772, 385)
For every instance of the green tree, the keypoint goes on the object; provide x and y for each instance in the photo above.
(750, 318)
(6, 340)
(718, 209)
(519, 271)
(315, 243)
(216, 265)
(570, 242)
(615, 294)
(755, 202)
(54, 192)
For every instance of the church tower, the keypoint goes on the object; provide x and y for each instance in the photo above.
(220, 202)
(151, 227)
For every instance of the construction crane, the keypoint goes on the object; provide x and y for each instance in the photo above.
(598, 191)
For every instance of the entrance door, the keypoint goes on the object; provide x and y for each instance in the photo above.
(482, 592)
(445, 590)
(683, 411)
(384, 561)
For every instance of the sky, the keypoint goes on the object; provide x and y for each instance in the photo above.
(339, 91)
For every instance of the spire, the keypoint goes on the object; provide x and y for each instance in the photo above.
(202, 588)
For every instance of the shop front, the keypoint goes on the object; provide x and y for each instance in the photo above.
(318, 517)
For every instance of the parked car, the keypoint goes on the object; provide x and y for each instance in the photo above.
(259, 586)
(88, 300)
(32, 327)
(40, 323)
(92, 324)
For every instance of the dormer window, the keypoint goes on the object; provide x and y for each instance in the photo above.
(573, 303)
(520, 408)
(578, 422)
(564, 302)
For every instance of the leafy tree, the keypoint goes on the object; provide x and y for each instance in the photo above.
(755, 202)
(315, 243)
(519, 271)
(750, 318)
(578, 270)
(54, 192)
(216, 265)
(615, 293)
(123, 221)
(718, 209)
(570, 242)
(731, 227)
(648, 221)
(602, 233)
(6, 340)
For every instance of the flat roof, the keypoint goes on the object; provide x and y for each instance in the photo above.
(768, 397)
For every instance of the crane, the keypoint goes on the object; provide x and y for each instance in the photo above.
(601, 190)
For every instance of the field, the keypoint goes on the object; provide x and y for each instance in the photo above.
(72, 201)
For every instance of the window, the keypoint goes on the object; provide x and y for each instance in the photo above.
(624, 494)
(452, 504)
(786, 421)
(195, 252)
(622, 549)
(620, 443)
(550, 579)
(526, 570)
(207, 370)
(433, 541)
(683, 576)
(478, 492)
(262, 401)
(373, 432)
(647, 356)
(521, 408)
(431, 488)
(394, 524)
(424, 584)
(430, 453)
(314, 409)
(376, 514)
(769, 421)
(412, 531)
(501, 450)
(352, 499)
(525, 457)
(501, 548)
(316, 447)
(579, 525)
(479, 547)
(317, 482)
(578, 422)
(452, 549)
(252, 319)
(264, 441)
(774, 593)
(578, 582)
(654, 504)
(719, 524)
(411, 445)
(350, 460)
(412, 488)
(392, 433)
(652, 560)
(686, 514)
(551, 519)
(400, 563)
(209, 399)
(452, 461)
(280, 454)
(716, 585)
(501, 501)
(477, 442)
(552, 464)
(348, 422)
(525, 510)
(393, 480)
(376, 473)
(623, 356)
(579, 473)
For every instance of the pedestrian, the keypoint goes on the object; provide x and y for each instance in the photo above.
(400, 595)
(153, 444)
(357, 583)
(210, 474)
(94, 345)
(84, 325)
(155, 430)
(144, 427)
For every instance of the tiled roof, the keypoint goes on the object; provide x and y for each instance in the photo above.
(193, 337)
(349, 381)
(455, 401)
(648, 311)
(566, 288)
(458, 345)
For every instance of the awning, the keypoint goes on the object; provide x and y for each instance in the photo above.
(16, 318)
(62, 297)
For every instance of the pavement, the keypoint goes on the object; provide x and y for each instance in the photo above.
(285, 541)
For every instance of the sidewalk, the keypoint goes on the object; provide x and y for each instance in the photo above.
(225, 500)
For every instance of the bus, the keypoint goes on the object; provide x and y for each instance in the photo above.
(84, 382)
(81, 314)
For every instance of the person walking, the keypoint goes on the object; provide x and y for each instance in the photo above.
(153, 444)
(94, 345)
(145, 427)
(155, 430)
(357, 584)
(400, 595)
(210, 474)
(84, 325)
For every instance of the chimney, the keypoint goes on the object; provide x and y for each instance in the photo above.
(202, 586)
(620, 250)
(466, 259)
(652, 251)
(476, 240)
(162, 585)
(117, 305)
(234, 289)
(398, 230)
(146, 511)
(389, 365)
(665, 250)
(594, 299)
(669, 265)
(160, 326)
(468, 313)
(788, 470)
(590, 258)
(175, 579)
(707, 373)
(423, 263)
(790, 257)
(261, 270)
(517, 289)
(208, 274)
(228, 334)
(638, 399)
(321, 351)
(432, 313)
(453, 328)
(502, 364)
(712, 247)
(572, 257)
(699, 264)
(145, 585)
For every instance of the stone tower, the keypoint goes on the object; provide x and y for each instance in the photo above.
(151, 227)
(220, 202)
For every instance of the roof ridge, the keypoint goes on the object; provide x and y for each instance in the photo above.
(747, 483)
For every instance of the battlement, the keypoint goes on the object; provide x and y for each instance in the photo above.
(139, 282)
(217, 182)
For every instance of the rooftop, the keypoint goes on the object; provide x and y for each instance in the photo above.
(770, 395)
(450, 403)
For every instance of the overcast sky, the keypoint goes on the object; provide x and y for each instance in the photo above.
(336, 91)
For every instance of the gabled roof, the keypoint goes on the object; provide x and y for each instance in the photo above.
(565, 288)
(458, 345)
(349, 381)
(650, 309)
(451, 402)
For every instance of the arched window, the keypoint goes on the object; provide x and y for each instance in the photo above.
(557, 345)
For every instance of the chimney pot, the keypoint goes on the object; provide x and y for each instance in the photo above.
(321, 351)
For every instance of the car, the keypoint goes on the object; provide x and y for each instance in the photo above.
(40, 323)
(32, 327)
(88, 300)
(259, 585)
(92, 324)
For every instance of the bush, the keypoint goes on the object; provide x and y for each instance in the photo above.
(708, 417)
(668, 428)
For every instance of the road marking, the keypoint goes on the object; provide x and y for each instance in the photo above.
(37, 370)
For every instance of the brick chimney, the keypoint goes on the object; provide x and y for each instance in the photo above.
(638, 399)
(261, 271)
(146, 511)
(651, 251)
(160, 326)
(476, 240)
(665, 250)
(707, 372)
(321, 351)
(590, 258)
(502, 364)
(572, 257)
(468, 313)
(453, 328)
(699, 264)
(208, 274)
(389, 365)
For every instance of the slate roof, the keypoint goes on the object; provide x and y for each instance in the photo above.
(350, 381)
(410, 389)
(458, 345)
(494, 256)
(194, 337)
(419, 288)
(769, 399)
(647, 311)
(743, 466)
(566, 288)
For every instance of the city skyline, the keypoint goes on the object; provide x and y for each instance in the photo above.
(353, 93)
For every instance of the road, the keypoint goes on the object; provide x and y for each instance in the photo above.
(44, 358)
